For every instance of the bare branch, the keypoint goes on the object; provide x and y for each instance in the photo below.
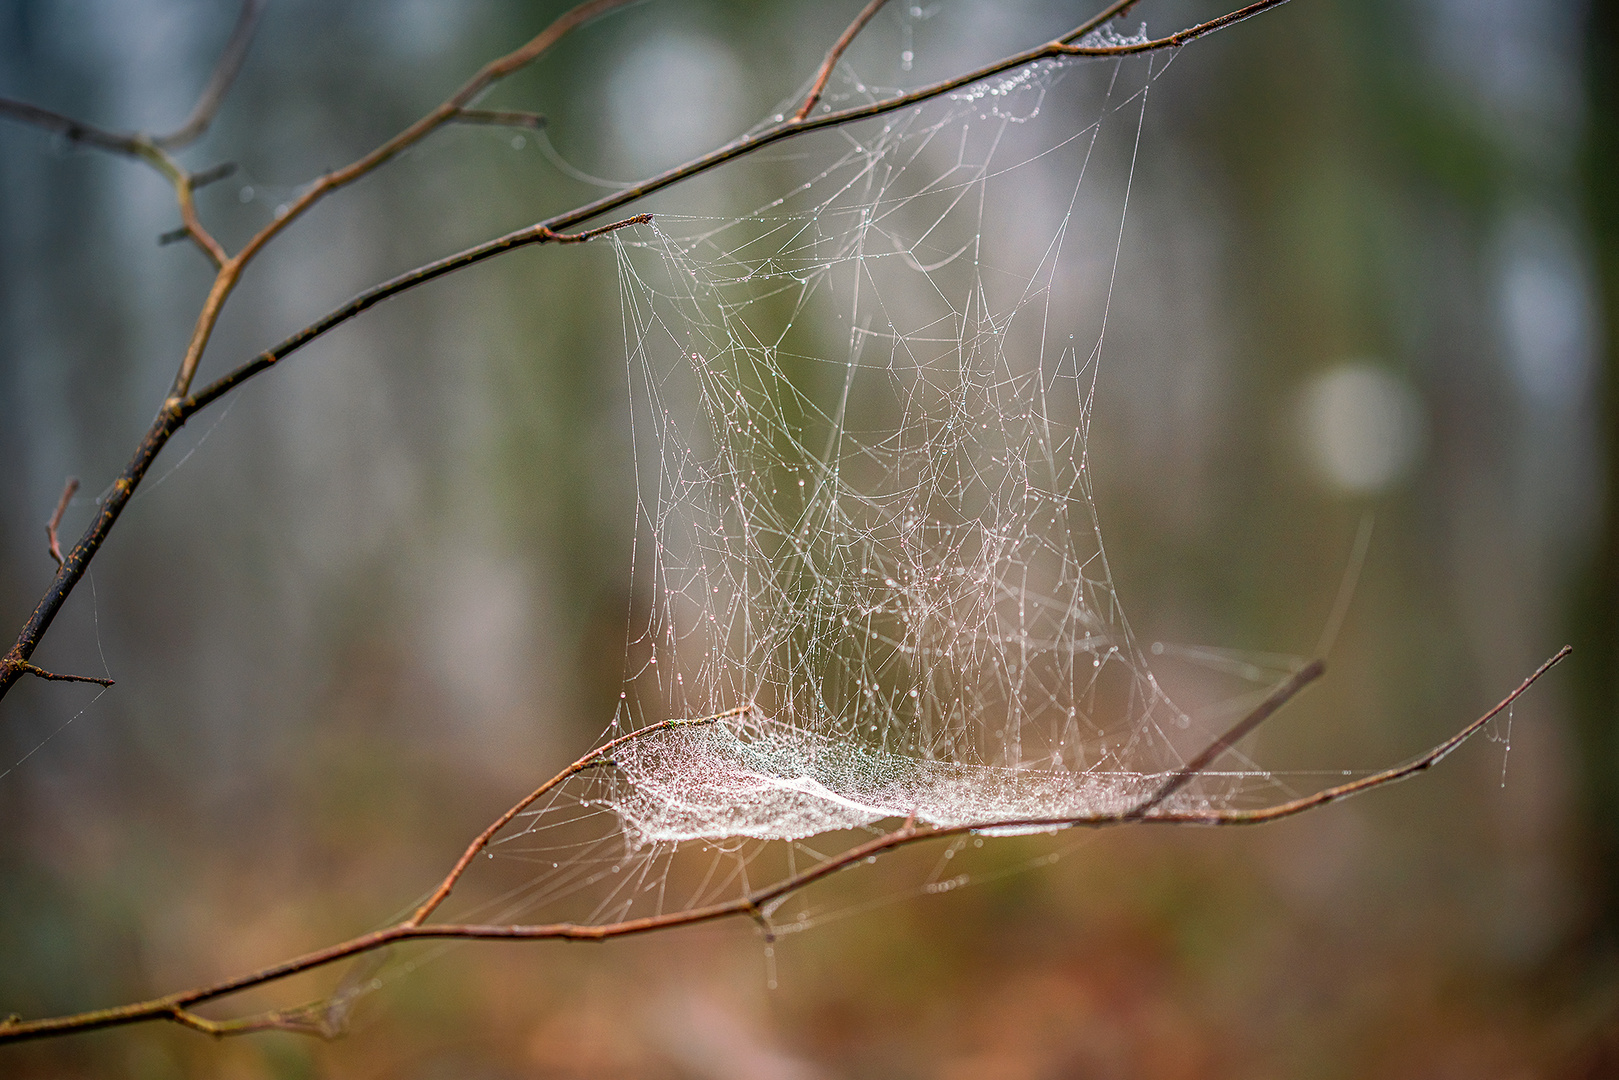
(225, 72)
(176, 1007)
(213, 175)
(534, 234)
(595, 759)
(831, 62)
(53, 548)
(1264, 711)
(73, 130)
(500, 118)
(38, 672)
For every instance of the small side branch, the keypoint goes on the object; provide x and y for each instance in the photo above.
(500, 118)
(219, 84)
(590, 234)
(51, 526)
(601, 757)
(26, 668)
(1264, 711)
(841, 46)
(210, 176)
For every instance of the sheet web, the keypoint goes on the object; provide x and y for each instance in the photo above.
(867, 540)
(869, 518)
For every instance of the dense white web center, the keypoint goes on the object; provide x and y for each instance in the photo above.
(866, 516)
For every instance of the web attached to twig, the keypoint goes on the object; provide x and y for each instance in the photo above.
(867, 546)
(861, 414)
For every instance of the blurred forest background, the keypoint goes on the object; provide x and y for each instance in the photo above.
(1370, 268)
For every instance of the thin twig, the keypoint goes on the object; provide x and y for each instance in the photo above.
(210, 176)
(73, 130)
(55, 550)
(154, 149)
(1264, 711)
(534, 234)
(596, 758)
(831, 62)
(219, 84)
(500, 118)
(177, 1006)
(50, 676)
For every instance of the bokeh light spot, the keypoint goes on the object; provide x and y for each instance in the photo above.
(1364, 426)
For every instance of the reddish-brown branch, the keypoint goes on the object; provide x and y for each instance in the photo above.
(53, 547)
(830, 64)
(596, 758)
(177, 1007)
(38, 672)
(1264, 711)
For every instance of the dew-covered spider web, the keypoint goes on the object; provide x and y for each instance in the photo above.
(867, 539)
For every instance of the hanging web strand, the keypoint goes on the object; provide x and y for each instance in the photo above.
(861, 417)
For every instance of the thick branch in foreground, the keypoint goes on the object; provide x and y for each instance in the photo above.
(755, 904)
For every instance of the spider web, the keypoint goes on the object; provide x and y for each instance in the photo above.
(867, 544)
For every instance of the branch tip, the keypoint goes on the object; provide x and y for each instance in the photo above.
(51, 526)
(545, 232)
(222, 171)
(38, 672)
(501, 118)
(831, 62)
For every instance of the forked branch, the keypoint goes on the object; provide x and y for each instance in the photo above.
(182, 403)
(317, 1019)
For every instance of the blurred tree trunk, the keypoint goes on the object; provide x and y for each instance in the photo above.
(1596, 605)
